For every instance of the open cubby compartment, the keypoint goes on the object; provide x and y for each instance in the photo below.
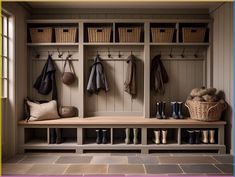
(115, 102)
(90, 135)
(194, 25)
(36, 135)
(163, 26)
(99, 26)
(69, 135)
(53, 26)
(172, 135)
(184, 73)
(129, 25)
(119, 135)
(185, 135)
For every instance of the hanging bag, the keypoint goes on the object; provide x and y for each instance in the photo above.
(68, 77)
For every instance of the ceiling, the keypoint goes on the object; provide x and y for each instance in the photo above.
(125, 4)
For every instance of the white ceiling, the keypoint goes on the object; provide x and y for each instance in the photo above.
(146, 5)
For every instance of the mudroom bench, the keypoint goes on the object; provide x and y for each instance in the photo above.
(80, 134)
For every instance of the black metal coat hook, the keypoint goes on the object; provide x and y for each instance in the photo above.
(109, 55)
(119, 54)
(182, 55)
(196, 53)
(60, 54)
(171, 53)
(69, 55)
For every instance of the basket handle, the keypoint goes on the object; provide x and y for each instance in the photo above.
(212, 107)
(187, 106)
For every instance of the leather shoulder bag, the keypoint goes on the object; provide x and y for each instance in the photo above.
(68, 77)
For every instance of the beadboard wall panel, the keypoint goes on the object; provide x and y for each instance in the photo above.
(67, 95)
(184, 74)
(116, 101)
(223, 62)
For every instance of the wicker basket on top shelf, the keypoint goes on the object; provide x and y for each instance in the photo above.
(205, 111)
(130, 34)
(162, 34)
(41, 35)
(65, 35)
(193, 34)
(102, 34)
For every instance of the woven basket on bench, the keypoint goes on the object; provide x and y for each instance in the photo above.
(41, 35)
(131, 34)
(102, 34)
(162, 34)
(194, 34)
(65, 35)
(205, 111)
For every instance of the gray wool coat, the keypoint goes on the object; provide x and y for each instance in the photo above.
(97, 79)
(130, 82)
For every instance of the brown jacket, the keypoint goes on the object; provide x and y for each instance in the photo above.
(130, 83)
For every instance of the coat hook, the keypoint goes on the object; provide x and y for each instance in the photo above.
(69, 55)
(97, 53)
(109, 55)
(37, 54)
(171, 53)
(49, 53)
(182, 55)
(196, 53)
(119, 54)
(60, 54)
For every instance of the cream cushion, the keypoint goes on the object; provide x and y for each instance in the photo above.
(43, 111)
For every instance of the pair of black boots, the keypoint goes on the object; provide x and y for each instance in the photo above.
(101, 136)
(194, 136)
(160, 110)
(177, 110)
(56, 136)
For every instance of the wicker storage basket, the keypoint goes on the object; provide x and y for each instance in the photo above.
(41, 35)
(194, 34)
(162, 34)
(99, 34)
(205, 111)
(65, 35)
(131, 34)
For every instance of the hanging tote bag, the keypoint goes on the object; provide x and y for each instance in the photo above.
(68, 77)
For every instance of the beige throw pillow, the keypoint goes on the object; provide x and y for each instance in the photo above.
(43, 111)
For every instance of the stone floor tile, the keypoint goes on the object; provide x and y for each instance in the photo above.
(143, 160)
(109, 160)
(47, 169)
(162, 169)
(73, 159)
(226, 168)
(222, 174)
(204, 168)
(187, 160)
(15, 159)
(86, 169)
(96, 154)
(15, 169)
(123, 154)
(224, 158)
(39, 159)
(126, 169)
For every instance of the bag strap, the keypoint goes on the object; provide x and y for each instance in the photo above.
(67, 60)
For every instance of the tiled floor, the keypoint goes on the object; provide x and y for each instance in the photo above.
(119, 164)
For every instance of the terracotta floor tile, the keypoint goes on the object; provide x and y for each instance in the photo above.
(126, 169)
(39, 159)
(87, 169)
(47, 169)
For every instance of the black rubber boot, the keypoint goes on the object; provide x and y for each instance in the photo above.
(163, 109)
(191, 136)
(98, 139)
(104, 136)
(174, 110)
(52, 136)
(58, 135)
(158, 110)
(197, 136)
(180, 110)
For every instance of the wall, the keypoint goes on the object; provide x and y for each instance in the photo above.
(223, 62)
(17, 79)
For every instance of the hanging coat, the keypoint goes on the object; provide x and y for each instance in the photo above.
(130, 83)
(97, 79)
(46, 82)
(158, 74)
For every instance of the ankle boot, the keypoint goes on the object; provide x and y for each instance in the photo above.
(135, 132)
(163, 108)
(157, 136)
(52, 136)
(174, 110)
(158, 110)
(58, 135)
(205, 136)
(104, 136)
(191, 136)
(98, 139)
(212, 136)
(127, 139)
(164, 136)
(180, 110)
(197, 136)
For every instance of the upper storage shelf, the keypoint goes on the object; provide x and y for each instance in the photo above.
(52, 34)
